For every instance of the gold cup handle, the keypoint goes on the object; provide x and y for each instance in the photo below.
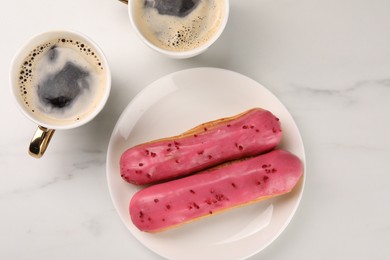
(40, 141)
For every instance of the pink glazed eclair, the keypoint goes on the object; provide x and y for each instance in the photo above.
(247, 134)
(166, 205)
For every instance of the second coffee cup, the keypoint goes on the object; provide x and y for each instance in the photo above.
(179, 28)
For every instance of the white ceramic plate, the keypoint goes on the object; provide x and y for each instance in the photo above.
(174, 104)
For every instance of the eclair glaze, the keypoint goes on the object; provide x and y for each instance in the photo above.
(166, 205)
(247, 134)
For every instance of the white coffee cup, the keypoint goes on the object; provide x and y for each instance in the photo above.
(60, 79)
(165, 46)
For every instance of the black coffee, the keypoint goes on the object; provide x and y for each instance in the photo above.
(178, 8)
(63, 87)
(62, 79)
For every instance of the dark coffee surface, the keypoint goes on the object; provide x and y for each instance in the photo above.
(180, 8)
(61, 89)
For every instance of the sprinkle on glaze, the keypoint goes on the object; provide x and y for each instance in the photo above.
(209, 192)
(251, 133)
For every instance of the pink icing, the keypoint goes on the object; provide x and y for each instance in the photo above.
(160, 206)
(253, 133)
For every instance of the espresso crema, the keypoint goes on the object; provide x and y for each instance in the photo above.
(180, 25)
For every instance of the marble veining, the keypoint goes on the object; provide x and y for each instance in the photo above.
(87, 166)
(346, 92)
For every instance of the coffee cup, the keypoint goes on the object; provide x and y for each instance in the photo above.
(60, 79)
(178, 28)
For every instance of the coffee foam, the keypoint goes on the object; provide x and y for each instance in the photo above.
(37, 67)
(180, 33)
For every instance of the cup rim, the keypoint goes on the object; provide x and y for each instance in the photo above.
(181, 54)
(20, 55)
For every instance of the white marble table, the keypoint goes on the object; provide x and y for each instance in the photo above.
(328, 61)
